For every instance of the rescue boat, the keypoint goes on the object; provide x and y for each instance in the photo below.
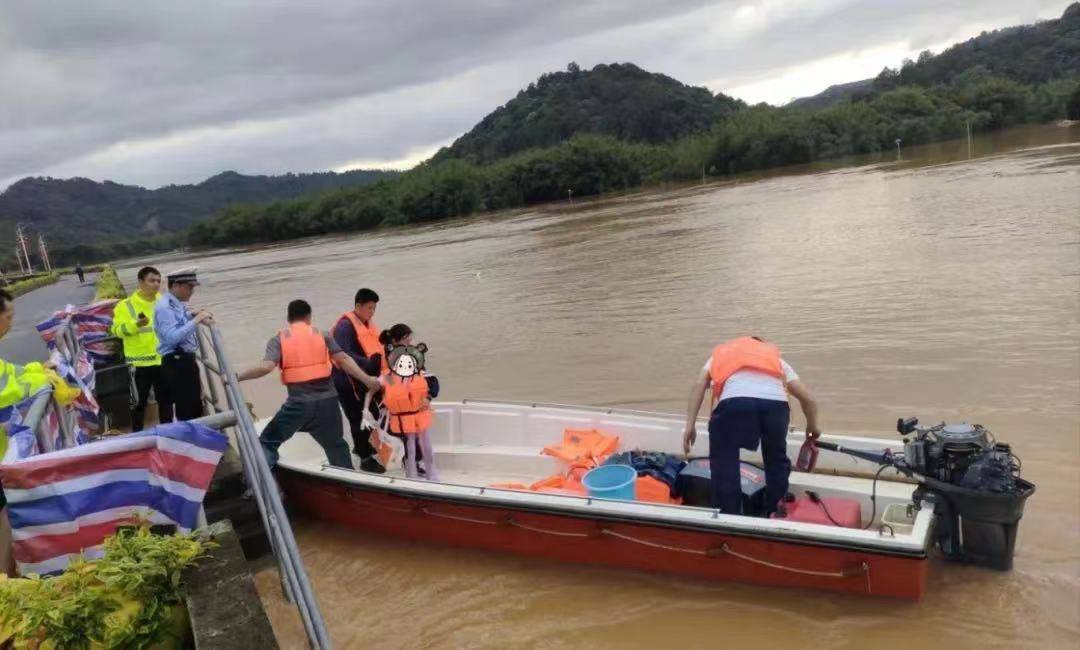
(480, 443)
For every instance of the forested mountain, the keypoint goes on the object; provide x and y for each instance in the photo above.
(835, 94)
(620, 100)
(1026, 54)
(81, 210)
(617, 127)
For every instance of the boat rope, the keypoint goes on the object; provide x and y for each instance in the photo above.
(645, 542)
(486, 522)
(862, 569)
(558, 533)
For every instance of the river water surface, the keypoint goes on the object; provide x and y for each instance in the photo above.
(938, 285)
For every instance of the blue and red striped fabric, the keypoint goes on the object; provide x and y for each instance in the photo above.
(64, 503)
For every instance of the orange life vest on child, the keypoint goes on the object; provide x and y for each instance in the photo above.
(743, 353)
(404, 402)
(368, 338)
(304, 355)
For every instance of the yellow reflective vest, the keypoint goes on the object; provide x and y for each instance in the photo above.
(18, 383)
(140, 343)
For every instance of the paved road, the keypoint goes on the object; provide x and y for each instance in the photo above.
(23, 344)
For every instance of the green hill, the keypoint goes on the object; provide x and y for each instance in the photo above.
(1035, 54)
(620, 100)
(74, 210)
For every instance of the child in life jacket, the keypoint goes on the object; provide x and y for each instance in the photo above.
(407, 394)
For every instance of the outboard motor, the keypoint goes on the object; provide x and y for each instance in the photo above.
(975, 485)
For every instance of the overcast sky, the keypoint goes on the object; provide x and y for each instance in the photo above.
(152, 93)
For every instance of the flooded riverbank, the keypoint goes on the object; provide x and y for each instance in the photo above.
(935, 286)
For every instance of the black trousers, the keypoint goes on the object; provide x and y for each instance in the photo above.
(744, 423)
(352, 402)
(183, 388)
(146, 377)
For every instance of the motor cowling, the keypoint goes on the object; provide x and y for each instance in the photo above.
(975, 485)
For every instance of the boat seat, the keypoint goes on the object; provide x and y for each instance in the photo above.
(495, 458)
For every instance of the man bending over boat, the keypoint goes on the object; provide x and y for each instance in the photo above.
(750, 384)
(306, 356)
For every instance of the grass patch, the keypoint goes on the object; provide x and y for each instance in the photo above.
(108, 285)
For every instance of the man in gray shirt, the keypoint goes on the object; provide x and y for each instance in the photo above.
(306, 356)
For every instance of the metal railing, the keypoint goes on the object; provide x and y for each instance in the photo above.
(228, 409)
(220, 380)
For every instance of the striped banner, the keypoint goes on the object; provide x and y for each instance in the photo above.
(64, 503)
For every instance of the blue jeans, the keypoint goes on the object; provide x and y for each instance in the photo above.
(321, 418)
(743, 423)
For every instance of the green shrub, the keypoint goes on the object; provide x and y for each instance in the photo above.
(26, 286)
(108, 285)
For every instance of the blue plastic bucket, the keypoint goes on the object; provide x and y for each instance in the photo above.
(611, 482)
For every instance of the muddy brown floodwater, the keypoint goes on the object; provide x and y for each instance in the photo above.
(938, 285)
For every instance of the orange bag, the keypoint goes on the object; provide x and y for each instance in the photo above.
(654, 490)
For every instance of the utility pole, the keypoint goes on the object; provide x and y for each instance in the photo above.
(969, 137)
(22, 269)
(44, 250)
(20, 239)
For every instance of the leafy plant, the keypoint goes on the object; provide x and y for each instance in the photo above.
(131, 598)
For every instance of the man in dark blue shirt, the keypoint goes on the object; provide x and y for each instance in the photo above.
(357, 336)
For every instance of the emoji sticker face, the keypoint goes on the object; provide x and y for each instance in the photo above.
(407, 360)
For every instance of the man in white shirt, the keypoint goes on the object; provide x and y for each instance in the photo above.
(750, 384)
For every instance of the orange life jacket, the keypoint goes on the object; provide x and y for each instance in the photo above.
(404, 402)
(743, 353)
(304, 356)
(368, 338)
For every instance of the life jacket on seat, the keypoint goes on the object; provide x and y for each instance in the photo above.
(404, 399)
(368, 338)
(743, 353)
(304, 355)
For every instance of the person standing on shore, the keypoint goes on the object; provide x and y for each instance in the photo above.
(17, 383)
(133, 323)
(357, 335)
(306, 357)
(175, 329)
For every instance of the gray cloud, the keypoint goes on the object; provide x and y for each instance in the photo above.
(158, 92)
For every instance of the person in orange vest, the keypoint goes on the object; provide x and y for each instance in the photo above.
(407, 395)
(306, 357)
(357, 335)
(750, 384)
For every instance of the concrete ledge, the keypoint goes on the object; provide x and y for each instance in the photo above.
(224, 607)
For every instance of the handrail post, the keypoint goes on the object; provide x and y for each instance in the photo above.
(257, 471)
(36, 414)
(211, 388)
